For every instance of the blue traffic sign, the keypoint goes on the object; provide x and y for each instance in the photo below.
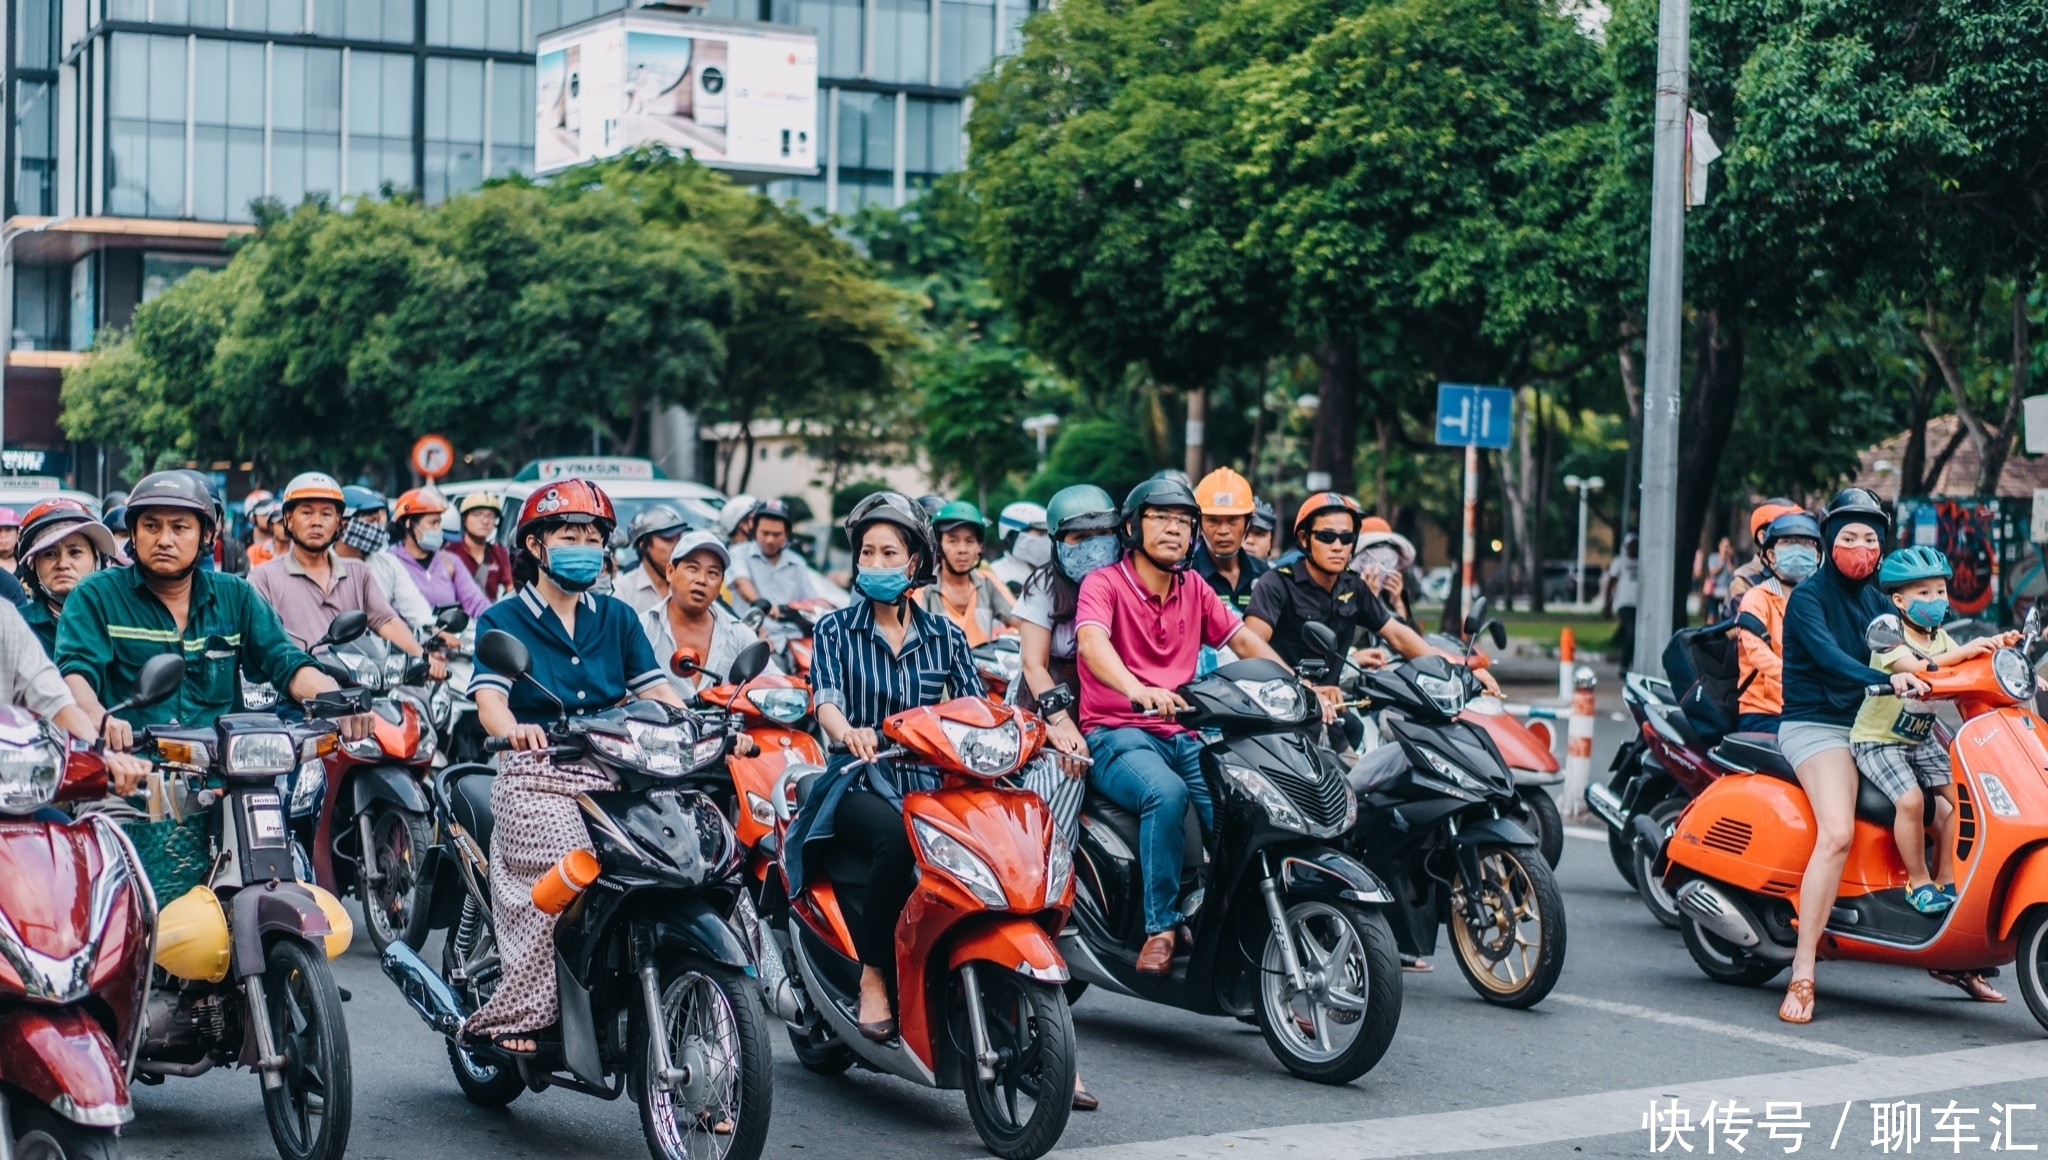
(1469, 416)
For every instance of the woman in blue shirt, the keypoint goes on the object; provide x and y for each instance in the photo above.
(588, 650)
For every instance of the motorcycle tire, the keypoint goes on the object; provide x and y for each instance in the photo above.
(1724, 962)
(45, 1135)
(1519, 876)
(715, 1030)
(306, 1019)
(1540, 813)
(823, 1058)
(1296, 1026)
(1030, 1027)
(395, 911)
(487, 1085)
(1649, 884)
(2032, 964)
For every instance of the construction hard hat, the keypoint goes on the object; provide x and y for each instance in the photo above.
(192, 937)
(1224, 492)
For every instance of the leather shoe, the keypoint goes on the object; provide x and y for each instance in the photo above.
(880, 1032)
(1084, 1100)
(1156, 956)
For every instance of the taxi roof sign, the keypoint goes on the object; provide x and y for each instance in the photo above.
(598, 467)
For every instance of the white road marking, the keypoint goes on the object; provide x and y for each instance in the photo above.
(1600, 1113)
(1589, 833)
(1790, 1042)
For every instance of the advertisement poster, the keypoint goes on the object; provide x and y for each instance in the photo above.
(734, 96)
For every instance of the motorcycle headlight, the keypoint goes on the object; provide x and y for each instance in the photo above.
(785, 705)
(948, 854)
(1449, 771)
(1255, 786)
(394, 669)
(664, 750)
(990, 752)
(2014, 675)
(615, 747)
(440, 706)
(1446, 693)
(251, 753)
(366, 672)
(1281, 699)
(308, 788)
(1059, 870)
(29, 775)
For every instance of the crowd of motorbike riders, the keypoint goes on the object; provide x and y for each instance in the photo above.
(1113, 608)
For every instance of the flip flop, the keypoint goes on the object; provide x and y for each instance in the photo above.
(1971, 983)
(1415, 966)
(1800, 991)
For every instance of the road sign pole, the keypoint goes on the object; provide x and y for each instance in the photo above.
(1467, 588)
(1662, 340)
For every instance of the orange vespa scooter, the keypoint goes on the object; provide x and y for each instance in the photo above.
(1741, 847)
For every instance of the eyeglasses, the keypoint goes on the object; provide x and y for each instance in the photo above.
(1180, 520)
(1326, 536)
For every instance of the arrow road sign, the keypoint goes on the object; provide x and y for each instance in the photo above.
(1469, 416)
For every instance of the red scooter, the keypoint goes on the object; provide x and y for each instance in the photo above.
(772, 710)
(1653, 778)
(76, 915)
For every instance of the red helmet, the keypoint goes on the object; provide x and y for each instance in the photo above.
(571, 501)
(420, 501)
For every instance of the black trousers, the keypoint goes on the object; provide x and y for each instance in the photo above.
(868, 827)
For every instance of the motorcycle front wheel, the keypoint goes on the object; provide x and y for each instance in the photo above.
(1539, 812)
(715, 1032)
(392, 908)
(1509, 940)
(1021, 1113)
(1338, 1027)
(45, 1135)
(2032, 963)
(309, 1112)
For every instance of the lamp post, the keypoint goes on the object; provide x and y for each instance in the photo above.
(1585, 487)
(7, 241)
(1041, 426)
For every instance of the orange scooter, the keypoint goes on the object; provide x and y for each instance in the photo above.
(772, 709)
(1741, 847)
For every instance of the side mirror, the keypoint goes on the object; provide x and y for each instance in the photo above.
(1499, 633)
(504, 654)
(1321, 640)
(452, 620)
(1475, 618)
(751, 663)
(346, 627)
(159, 678)
(1885, 633)
(684, 663)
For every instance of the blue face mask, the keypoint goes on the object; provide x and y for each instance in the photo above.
(430, 541)
(1795, 562)
(575, 566)
(1927, 614)
(882, 585)
(1077, 560)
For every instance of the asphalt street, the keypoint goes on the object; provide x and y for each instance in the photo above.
(1631, 1022)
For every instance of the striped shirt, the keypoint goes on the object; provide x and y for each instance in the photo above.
(607, 659)
(853, 667)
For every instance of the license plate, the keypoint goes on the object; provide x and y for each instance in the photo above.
(266, 821)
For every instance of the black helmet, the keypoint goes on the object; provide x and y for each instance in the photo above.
(178, 488)
(893, 507)
(1173, 494)
(1857, 505)
(773, 509)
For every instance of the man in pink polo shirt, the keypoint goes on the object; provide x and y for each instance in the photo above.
(1140, 626)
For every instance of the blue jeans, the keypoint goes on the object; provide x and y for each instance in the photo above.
(1155, 777)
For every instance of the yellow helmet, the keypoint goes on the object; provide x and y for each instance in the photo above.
(192, 937)
(340, 929)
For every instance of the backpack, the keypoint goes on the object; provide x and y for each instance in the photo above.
(1703, 662)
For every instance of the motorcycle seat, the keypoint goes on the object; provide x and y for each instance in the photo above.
(1757, 752)
(1125, 824)
(469, 799)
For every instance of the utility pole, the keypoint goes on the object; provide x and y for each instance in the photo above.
(1662, 339)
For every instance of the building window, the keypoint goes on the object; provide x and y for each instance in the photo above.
(282, 16)
(475, 23)
(455, 126)
(35, 148)
(305, 122)
(866, 150)
(1012, 39)
(967, 40)
(903, 41)
(511, 119)
(195, 13)
(35, 33)
(42, 306)
(931, 139)
(227, 129)
(379, 122)
(386, 20)
(838, 24)
(146, 126)
(160, 272)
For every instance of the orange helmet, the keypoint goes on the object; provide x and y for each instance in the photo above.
(1761, 517)
(1224, 492)
(1326, 501)
(420, 501)
(571, 501)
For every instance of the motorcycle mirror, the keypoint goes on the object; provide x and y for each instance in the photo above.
(1475, 618)
(504, 654)
(683, 662)
(1885, 633)
(751, 663)
(159, 678)
(346, 627)
(452, 620)
(1499, 633)
(1320, 640)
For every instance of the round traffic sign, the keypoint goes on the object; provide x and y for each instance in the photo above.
(433, 456)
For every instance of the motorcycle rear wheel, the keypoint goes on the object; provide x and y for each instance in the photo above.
(393, 910)
(1518, 898)
(309, 1114)
(2032, 964)
(1032, 1031)
(487, 1085)
(45, 1135)
(716, 1031)
(1649, 884)
(1540, 813)
(1724, 962)
(1352, 953)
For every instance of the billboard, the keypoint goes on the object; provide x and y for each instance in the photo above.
(733, 95)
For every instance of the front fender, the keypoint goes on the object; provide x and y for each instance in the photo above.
(1495, 831)
(1332, 875)
(284, 908)
(386, 783)
(62, 1058)
(689, 924)
(2028, 887)
(1014, 945)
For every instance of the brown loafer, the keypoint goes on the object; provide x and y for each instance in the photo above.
(1156, 956)
(879, 1032)
(1084, 1100)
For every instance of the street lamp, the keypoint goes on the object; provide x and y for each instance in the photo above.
(1585, 487)
(7, 241)
(1041, 426)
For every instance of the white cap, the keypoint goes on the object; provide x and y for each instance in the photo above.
(701, 541)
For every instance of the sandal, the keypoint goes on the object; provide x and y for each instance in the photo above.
(473, 1041)
(1972, 983)
(1929, 899)
(1799, 992)
(1415, 966)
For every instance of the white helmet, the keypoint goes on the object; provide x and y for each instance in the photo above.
(735, 513)
(1019, 516)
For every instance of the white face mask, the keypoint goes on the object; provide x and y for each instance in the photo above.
(1033, 548)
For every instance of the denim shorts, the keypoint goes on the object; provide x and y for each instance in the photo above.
(1802, 741)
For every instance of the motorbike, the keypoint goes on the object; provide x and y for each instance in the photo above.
(979, 975)
(1740, 849)
(1286, 927)
(1526, 748)
(657, 993)
(794, 629)
(1001, 664)
(242, 972)
(1651, 781)
(362, 812)
(77, 917)
(772, 710)
(1439, 827)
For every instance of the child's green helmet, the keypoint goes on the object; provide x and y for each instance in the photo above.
(1910, 564)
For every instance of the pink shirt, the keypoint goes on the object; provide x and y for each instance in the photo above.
(1160, 641)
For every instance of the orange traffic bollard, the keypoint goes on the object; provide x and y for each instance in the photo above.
(1567, 652)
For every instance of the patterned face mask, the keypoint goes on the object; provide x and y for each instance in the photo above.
(365, 536)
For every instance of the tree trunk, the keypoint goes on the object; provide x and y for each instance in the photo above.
(1334, 448)
(1707, 415)
(1993, 465)
(1197, 433)
(1383, 427)
(747, 449)
(1992, 444)
(1632, 390)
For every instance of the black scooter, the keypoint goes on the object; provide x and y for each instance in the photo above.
(657, 991)
(1439, 828)
(1285, 927)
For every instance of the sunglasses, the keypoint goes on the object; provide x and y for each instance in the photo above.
(1326, 536)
